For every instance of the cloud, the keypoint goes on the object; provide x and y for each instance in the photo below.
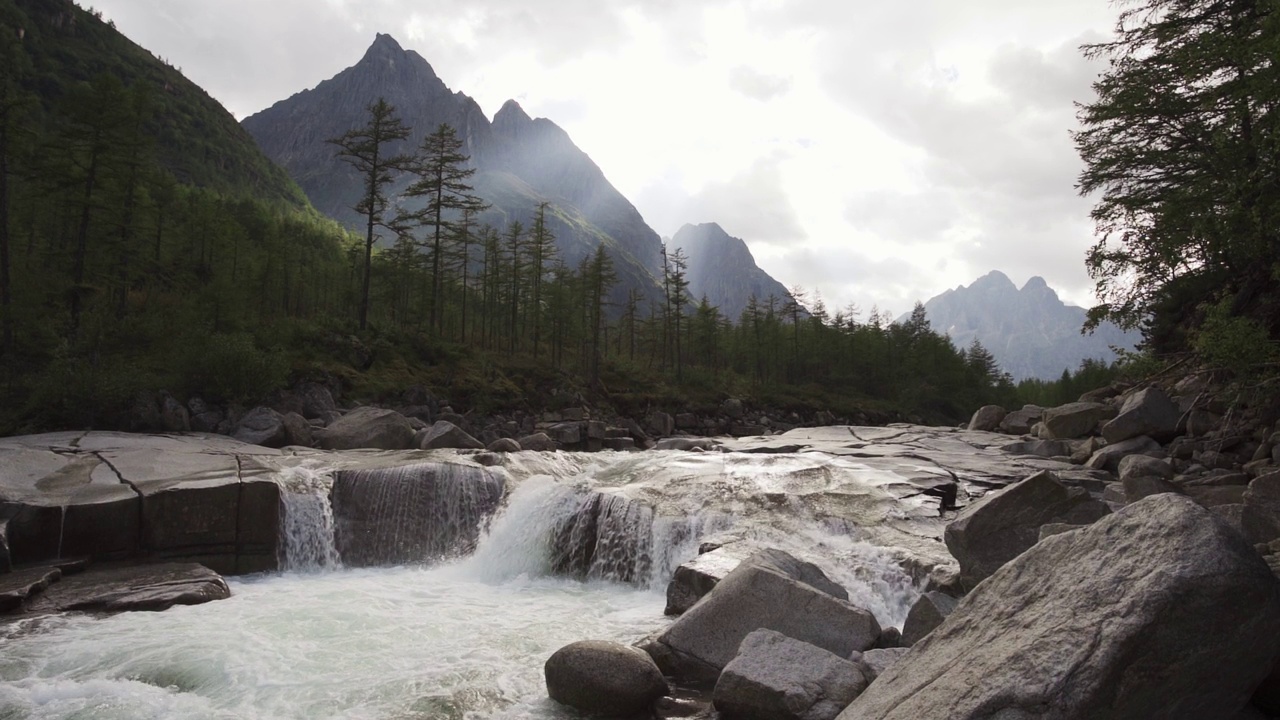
(757, 85)
(751, 204)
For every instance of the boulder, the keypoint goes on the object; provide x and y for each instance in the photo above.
(1005, 523)
(1214, 495)
(316, 400)
(17, 588)
(503, 445)
(619, 444)
(694, 579)
(537, 442)
(686, 444)
(698, 645)
(1147, 412)
(1158, 611)
(368, 427)
(1134, 465)
(1137, 487)
(987, 418)
(297, 430)
(774, 677)
(732, 408)
(1109, 456)
(126, 589)
(1051, 529)
(444, 434)
(566, 433)
(604, 678)
(1075, 419)
(927, 613)
(174, 418)
(6, 559)
(1019, 422)
(1261, 515)
(661, 424)
(874, 662)
(1040, 448)
(262, 426)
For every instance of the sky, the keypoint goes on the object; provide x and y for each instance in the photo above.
(873, 153)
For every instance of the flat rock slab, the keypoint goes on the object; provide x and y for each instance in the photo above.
(19, 587)
(142, 587)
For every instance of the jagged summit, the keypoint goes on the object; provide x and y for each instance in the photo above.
(722, 268)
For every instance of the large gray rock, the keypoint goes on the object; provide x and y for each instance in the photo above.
(1135, 465)
(1041, 448)
(1137, 487)
(987, 418)
(1147, 412)
(694, 579)
(538, 442)
(1158, 611)
(774, 677)
(1261, 514)
(1109, 456)
(143, 587)
(444, 434)
(604, 678)
(368, 427)
(315, 399)
(698, 645)
(928, 612)
(874, 662)
(1020, 422)
(1005, 523)
(1075, 419)
(262, 426)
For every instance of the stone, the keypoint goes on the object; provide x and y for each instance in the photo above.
(316, 400)
(537, 442)
(1157, 611)
(1109, 456)
(1134, 465)
(1051, 529)
(1137, 487)
(503, 445)
(694, 579)
(1261, 516)
(661, 424)
(573, 414)
(174, 417)
(1040, 448)
(890, 637)
(1214, 495)
(444, 434)
(142, 587)
(6, 559)
(1147, 412)
(928, 612)
(16, 588)
(876, 661)
(297, 430)
(1202, 422)
(698, 645)
(566, 434)
(987, 418)
(604, 678)
(619, 444)
(686, 444)
(1114, 493)
(1075, 419)
(774, 677)
(1019, 422)
(732, 408)
(368, 427)
(1003, 524)
(596, 430)
(262, 426)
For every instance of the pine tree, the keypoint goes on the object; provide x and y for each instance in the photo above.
(369, 150)
(542, 250)
(600, 278)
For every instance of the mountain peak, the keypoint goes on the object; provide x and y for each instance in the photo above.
(512, 112)
(384, 45)
(993, 280)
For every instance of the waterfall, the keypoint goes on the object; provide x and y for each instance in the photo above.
(412, 514)
(306, 521)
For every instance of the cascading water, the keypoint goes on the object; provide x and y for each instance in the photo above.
(306, 522)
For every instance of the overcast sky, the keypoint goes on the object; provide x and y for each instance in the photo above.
(876, 152)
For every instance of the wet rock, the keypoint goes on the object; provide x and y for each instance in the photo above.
(1189, 612)
(16, 588)
(566, 434)
(142, 587)
(503, 445)
(698, 645)
(604, 678)
(619, 444)
(262, 426)
(875, 662)
(927, 613)
(1041, 448)
(774, 677)
(1147, 412)
(1005, 523)
(1075, 420)
(6, 560)
(538, 442)
(445, 434)
(661, 424)
(368, 427)
(890, 637)
(686, 444)
(987, 418)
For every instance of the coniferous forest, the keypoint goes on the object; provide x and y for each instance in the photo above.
(146, 245)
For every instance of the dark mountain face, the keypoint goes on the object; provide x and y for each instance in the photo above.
(721, 268)
(520, 162)
(1031, 332)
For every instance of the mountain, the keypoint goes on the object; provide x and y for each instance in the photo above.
(520, 161)
(197, 140)
(1031, 332)
(722, 268)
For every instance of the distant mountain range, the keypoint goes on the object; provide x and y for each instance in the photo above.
(1031, 332)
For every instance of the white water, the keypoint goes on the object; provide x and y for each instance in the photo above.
(462, 640)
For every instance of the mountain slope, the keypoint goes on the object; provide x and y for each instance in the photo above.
(520, 162)
(1031, 332)
(722, 268)
(196, 138)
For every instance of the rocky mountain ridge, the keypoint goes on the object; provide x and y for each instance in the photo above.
(1031, 332)
(722, 268)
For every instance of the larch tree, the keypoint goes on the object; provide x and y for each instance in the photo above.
(370, 150)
